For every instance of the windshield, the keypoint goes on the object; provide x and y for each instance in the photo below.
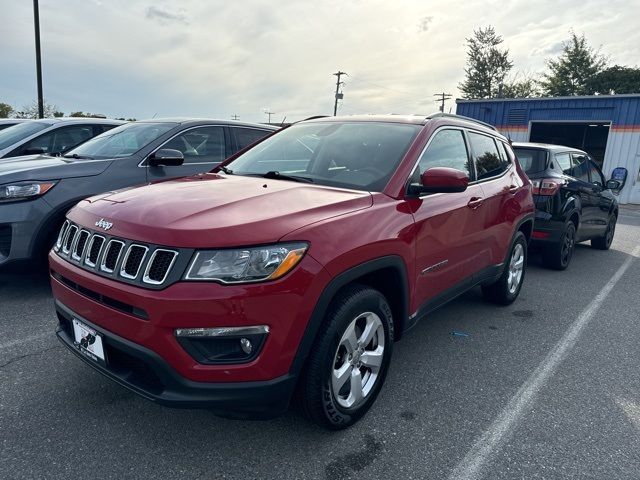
(532, 160)
(19, 132)
(358, 155)
(122, 141)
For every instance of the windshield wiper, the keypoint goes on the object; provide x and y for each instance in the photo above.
(282, 176)
(226, 170)
(78, 157)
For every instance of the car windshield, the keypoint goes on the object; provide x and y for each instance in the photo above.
(19, 132)
(121, 141)
(357, 155)
(532, 160)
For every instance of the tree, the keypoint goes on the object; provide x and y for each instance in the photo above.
(521, 86)
(31, 111)
(5, 110)
(487, 65)
(615, 80)
(569, 73)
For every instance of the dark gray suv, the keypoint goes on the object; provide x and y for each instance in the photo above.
(36, 192)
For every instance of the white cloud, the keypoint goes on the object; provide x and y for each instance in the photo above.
(138, 58)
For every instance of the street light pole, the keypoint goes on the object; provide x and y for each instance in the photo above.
(36, 24)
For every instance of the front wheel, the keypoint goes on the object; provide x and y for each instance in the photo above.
(506, 289)
(349, 360)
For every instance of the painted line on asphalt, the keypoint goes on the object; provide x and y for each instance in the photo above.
(484, 449)
(32, 338)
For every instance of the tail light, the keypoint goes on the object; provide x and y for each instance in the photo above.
(547, 186)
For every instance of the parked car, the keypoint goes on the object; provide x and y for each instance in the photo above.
(573, 201)
(51, 136)
(228, 290)
(10, 122)
(36, 192)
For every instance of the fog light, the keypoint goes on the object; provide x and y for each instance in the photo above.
(223, 345)
(246, 346)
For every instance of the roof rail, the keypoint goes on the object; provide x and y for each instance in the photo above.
(461, 117)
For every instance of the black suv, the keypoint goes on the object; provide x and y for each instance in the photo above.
(573, 201)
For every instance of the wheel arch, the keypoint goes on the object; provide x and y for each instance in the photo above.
(386, 274)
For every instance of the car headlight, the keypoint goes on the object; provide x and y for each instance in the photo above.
(24, 190)
(243, 265)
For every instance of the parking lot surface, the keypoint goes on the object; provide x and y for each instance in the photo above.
(548, 387)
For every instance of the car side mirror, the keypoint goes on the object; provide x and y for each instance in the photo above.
(613, 185)
(166, 157)
(441, 180)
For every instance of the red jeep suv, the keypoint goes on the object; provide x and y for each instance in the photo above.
(294, 265)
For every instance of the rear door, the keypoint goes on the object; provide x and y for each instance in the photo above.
(500, 183)
(450, 244)
(203, 148)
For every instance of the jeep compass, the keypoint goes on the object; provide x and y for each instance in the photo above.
(289, 271)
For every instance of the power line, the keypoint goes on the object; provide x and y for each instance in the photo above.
(442, 97)
(269, 113)
(235, 117)
(339, 95)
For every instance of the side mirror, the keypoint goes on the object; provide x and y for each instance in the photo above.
(441, 180)
(613, 185)
(166, 157)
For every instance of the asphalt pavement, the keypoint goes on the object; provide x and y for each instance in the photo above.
(546, 388)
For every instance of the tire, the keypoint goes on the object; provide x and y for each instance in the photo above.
(559, 256)
(338, 355)
(507, 288)
(604, 242)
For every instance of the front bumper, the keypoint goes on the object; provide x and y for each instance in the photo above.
(144, 372)
(20, 226)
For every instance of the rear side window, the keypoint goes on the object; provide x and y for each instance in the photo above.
(489, 162)
(247, 136)
(447, 149)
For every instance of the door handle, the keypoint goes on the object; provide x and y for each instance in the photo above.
(513, 188)
(475, 202)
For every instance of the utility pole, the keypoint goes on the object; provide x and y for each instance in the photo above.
(339, 95)
(36, 24)
(442, 97)
(269, 113)
(235, 117)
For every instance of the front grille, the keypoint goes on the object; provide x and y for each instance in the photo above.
(111, 256)
(133, 261)
(145, 265)
(159, 265)
(5, 240)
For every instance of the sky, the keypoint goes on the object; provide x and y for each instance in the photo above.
(218, 58)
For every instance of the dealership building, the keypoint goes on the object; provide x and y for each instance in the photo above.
(605, 126)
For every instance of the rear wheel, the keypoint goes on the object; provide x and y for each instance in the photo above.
(558, 256)
(349, 360)
(506, 289)
(604, 242)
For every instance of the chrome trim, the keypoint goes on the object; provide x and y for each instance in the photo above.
(221, 331)
(61, 234)
(103, 268)
(123, 273)
(66, 250)
(145, 276)
(88, 262)
(75, 257)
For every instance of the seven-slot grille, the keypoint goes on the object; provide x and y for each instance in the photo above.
(114, 257)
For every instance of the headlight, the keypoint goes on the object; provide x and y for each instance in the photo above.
(244, 265)
(20, 191)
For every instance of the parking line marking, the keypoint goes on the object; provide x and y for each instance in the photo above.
(485, 447)
(13, 343)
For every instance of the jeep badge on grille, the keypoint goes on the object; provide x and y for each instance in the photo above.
(102, 223)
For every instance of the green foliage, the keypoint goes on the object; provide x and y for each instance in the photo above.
(5, 110)
(521, 86)
(615, 80)
(487, 65)
(569, 74)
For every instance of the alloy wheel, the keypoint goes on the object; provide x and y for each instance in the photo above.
(516, 268)
(567, 245)
(358, 360)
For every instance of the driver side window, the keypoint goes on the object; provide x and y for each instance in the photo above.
(200, 145)
(447, 149)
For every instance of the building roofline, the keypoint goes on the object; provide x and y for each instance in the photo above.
(531, 99)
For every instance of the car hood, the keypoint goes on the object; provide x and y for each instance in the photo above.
(43, 167)
(212, 210)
